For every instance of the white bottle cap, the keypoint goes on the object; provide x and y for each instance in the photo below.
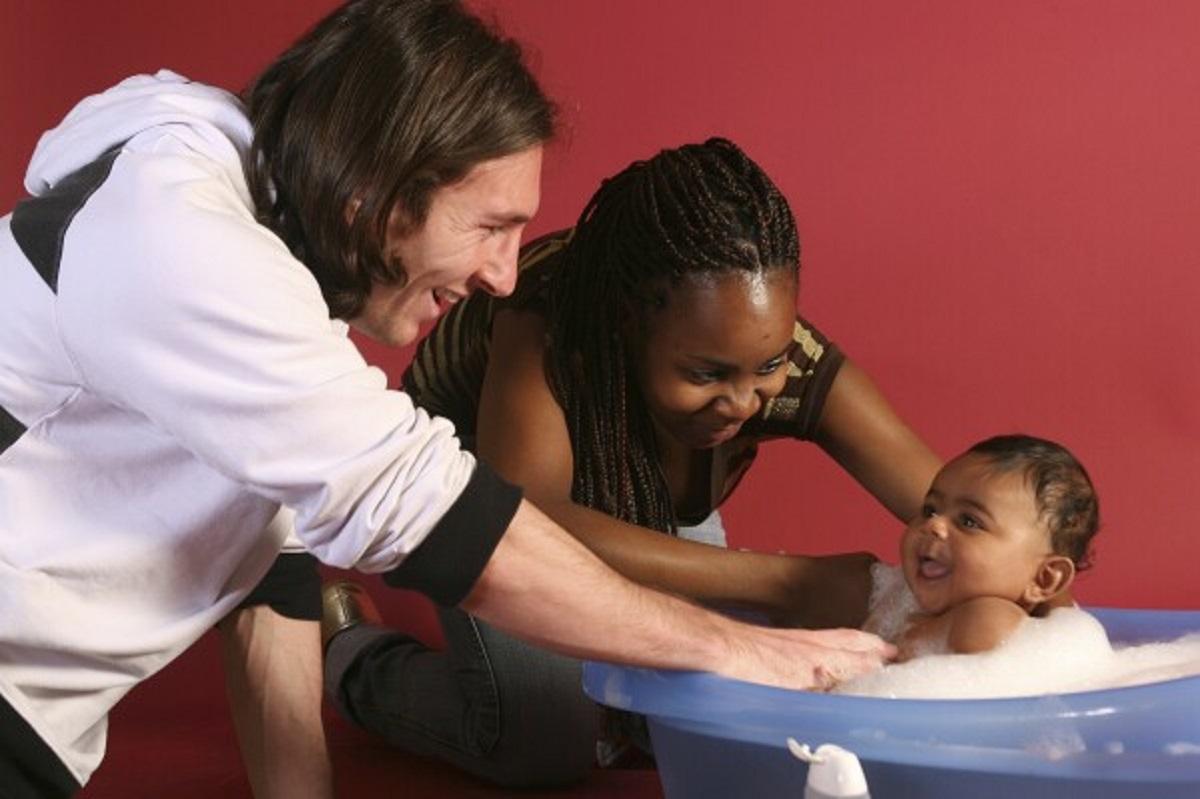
(833, 772)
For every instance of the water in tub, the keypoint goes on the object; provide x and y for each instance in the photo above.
(1065, 651)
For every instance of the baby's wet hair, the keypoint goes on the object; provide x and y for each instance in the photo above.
(1063, 492)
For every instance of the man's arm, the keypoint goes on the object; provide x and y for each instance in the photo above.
(273, 678)
(542, 585)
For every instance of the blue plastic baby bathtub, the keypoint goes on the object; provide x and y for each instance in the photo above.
(715, 737)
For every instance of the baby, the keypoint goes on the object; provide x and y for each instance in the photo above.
(1003, 531)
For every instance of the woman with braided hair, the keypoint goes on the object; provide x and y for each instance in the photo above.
(626, 385)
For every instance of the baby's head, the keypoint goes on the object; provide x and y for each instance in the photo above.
(1012, 517)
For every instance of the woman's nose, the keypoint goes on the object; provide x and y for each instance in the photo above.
(743, 402)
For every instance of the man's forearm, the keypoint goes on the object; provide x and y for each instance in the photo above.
(594, 612)
(273, 674)
(543, 585)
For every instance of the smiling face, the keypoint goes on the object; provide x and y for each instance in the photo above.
(469, 240)
(979, 534)
(715, 353)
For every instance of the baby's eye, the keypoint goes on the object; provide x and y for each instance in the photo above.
(970, 522)
(703, 376)
(928, 511)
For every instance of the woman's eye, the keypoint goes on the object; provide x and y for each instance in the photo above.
(771, 367)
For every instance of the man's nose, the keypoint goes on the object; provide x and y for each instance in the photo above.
(498, 276)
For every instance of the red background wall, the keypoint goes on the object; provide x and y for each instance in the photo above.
(998, 207)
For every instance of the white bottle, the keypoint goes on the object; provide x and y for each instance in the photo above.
(833, 772)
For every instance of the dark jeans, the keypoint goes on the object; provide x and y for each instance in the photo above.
(29, 769)
(489, 704)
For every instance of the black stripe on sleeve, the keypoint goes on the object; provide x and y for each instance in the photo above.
(291, 587)
(10, 429)
(448, 562)
(39, 224)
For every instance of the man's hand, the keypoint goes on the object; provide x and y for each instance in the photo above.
(803, 659)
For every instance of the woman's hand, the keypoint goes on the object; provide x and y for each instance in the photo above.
(822, 592)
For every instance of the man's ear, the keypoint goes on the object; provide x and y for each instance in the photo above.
(1054, 575)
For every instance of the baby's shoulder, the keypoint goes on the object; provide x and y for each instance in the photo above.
(983, 623)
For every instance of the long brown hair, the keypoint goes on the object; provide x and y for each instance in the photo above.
(381, 103)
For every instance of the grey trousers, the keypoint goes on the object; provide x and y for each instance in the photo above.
(492, 705)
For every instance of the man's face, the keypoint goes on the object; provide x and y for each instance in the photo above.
(469, 241)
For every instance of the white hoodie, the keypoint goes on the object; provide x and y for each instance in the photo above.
(169, 379)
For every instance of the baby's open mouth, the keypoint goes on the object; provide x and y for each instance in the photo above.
(931, 569)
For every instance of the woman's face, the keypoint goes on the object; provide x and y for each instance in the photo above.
(715, 353)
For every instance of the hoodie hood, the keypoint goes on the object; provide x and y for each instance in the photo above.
(214, 119)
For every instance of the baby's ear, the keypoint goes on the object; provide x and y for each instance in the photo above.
(1054, 575)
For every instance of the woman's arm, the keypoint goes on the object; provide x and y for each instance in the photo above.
(522, 433)
(861, 431)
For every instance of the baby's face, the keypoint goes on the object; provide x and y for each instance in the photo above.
(978, 534)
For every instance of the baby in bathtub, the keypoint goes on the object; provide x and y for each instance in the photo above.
(1003, 531)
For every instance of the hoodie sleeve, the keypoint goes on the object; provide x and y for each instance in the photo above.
(173, 302)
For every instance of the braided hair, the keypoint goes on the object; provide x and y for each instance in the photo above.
(700, 210)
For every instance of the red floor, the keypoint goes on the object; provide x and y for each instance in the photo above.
(173, 737)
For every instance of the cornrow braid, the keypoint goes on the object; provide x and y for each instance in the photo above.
(697, 210)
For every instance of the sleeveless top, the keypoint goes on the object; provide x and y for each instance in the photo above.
(446, 373)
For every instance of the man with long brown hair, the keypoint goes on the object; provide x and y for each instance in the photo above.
(179, 398)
